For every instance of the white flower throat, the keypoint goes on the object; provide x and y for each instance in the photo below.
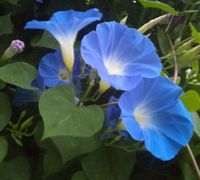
(114, 67)
(142, 116)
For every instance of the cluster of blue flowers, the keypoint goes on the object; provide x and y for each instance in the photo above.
(149, 107)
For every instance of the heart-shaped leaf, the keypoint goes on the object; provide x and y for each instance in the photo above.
(63, 118)
(19, 73)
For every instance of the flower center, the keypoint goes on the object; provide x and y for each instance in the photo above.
(142, 116)
(63, 76)
(114, 67)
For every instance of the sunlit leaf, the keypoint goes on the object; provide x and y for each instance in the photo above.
(159, 5)
(191, 100)
(195, 33)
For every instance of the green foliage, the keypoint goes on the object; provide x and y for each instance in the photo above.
(15, 169)
(191, 99)
(195, 33)
(52, 162)
(163, 42)
(196, 120)
(71, 147)
(108, 164)
(60, 139)
(5, 110)
(19, 73)
(62, 118)
(2, 84)
(46, 41)
(158, 5)
(79, 176)
(5, 24)
(3, 148)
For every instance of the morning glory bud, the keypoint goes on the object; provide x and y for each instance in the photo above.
(16, 46)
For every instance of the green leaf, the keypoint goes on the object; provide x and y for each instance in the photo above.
(52, 160)
(3, 148)
(14, 2)
(71, 147)
(16, 169)
(108, 164)
(191, 100)
(196, 121)
(188, 171)
(19, 73)
(79, 176)
(2, 84)
(163, 41)
(5, 24)
(159, 5)
(195, 33)
(5, 110)
(47, 41)
(62, 118)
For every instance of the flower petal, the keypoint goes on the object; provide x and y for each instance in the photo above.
(159, 145)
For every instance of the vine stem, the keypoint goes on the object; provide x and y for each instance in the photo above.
(194, 162)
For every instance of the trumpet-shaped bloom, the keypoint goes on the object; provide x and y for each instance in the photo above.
(64, 26)
(153, 113)
(121, 55)
(53, 70)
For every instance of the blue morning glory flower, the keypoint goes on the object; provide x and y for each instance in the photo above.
(64, 26)
(153, 113)
(121, 55)
(53, 70)
(24, 96)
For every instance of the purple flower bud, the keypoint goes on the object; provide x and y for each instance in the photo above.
(16, 46)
